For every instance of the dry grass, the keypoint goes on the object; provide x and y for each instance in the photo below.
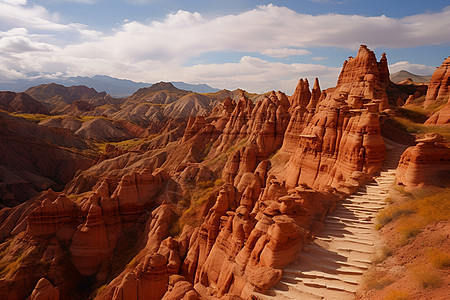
(34, 118)
(390, 213)
(438, 258)
(426, 276)
(434, 207)
(422, 207)
(375, 279)
(382, 254)
(409, 227)
(417, 128)
(396, 295)
(126, 144)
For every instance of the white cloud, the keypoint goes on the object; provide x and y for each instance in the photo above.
(417, 69)
(18, 14)
(159, 50)
(284, 52)
(14, 2)
(319, 57)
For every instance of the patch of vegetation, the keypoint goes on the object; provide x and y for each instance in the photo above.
(34, 118)
(414, 114)
(382, 255)
(8, 268)
(437, 105)
(409, 227)
(126, 144)
(388, 214)
(375, 279)
(77, 198)
(396, 295)
(417, 128)
(424, 206)
(193, 200)
(221, 158)
(438, 258)
(426, 277)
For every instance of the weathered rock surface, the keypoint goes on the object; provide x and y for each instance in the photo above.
(50, 216)
(362, 78)
(44, 290)
(427, 163)
(439, 87)
(441, 117)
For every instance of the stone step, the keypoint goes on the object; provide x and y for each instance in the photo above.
(347, 220)
(346, 239)
(300, 289)
(307, 261)
(348, 226)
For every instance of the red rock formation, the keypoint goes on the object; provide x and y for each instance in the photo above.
(364, 77)
(439, 90)
(181, 290)
(194, 125)
(50, 216)
(149, 280)
(439, 87)
(90, 245)
(136, 191)
(427, 163)
(44, 290)
(336, 143)
(441, 117)
(302, 94)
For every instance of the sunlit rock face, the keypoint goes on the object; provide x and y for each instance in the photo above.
(427, 163)
(439, 90)
(439, 87)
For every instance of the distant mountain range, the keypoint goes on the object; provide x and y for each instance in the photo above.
(113, 86)
(402, 75)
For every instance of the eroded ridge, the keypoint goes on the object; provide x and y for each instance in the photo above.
(331, 267)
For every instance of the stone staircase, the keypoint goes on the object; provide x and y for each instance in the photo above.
(332, 266)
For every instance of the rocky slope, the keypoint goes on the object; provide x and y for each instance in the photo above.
(21, 103)
(439, 91)
(34, 158)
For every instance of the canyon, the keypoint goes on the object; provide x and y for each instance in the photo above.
(172, 194)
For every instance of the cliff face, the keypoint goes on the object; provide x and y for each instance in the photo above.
(439, 90)
(335, 145)
(439, 87)
(253, 180)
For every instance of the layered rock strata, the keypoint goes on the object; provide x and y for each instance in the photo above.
(427, 163)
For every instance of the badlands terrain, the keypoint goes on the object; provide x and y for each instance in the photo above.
(340, 193)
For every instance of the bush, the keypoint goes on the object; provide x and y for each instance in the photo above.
(409, 227)
(382, 254)
(377, 280)
(425, 276)
(388, 214)
(438, 258)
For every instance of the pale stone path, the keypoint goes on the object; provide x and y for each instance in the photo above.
(332, 266)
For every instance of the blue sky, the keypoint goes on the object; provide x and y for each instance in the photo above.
(255, 45)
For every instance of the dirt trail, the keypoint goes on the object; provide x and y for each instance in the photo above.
(332, 266)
